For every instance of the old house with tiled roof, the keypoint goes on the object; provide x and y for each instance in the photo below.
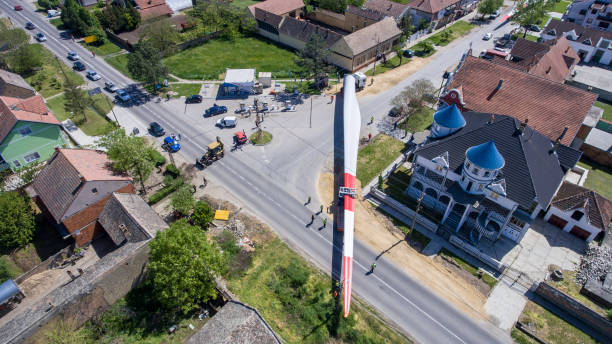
(549, 106)
(591, 44)
(29, 132)
(13, 85)
(388, 8)
(580, 211)
(290, 8)
(437, 12)
(152, 9)
(487, 175)
(73, 189)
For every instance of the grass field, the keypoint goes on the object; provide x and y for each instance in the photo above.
(185, 90)
(599, 178)
(104, 49)
(8, 269)
(57, 22)
(570, 287)
(551, 328)
(419, 120)
(420, 52)
(607, 115)
(377, 155)
(120, 62)
(392, 63)
(49, 80)
(244, 3)
(560, 6)
(96, 121)
(457, 30)
(468, 267)
(260, 140)
(209, 61)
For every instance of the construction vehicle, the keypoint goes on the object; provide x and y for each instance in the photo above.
(215, 152)
(360, 81)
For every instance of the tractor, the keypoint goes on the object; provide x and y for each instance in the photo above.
(215, 152)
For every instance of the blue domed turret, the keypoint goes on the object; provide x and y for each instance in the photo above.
(447, 121)
(486, 156)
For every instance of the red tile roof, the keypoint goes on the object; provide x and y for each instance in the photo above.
(431, 6)
(553, 59)
(387, 7)
(153, 8)
(278, 7)
(31, 109)
(549, 105)
(92, 164)
(598, 208)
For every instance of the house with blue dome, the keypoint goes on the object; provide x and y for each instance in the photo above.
(487, 176)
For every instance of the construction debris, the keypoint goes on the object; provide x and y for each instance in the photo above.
(595, 264)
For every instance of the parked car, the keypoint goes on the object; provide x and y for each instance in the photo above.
(487, 36)
(240, 138)
(408, 53)
(73, 56)
(109, 86)
(533, 27)
(18, 8)
(41, 37)
(194, 98)
(171, 144)
(395, 111)
(122, 95)
(156, 130)
(91, 74)
(30, 26)
(496, 13)
(80, 66)
(227, 122)
(215, 110)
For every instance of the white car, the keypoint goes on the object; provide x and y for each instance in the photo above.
(73, 56)
(41, 37)
(91, 74)
(109, 86)
(227, 122)
(487, 36)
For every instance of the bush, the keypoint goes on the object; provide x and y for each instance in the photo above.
(159, 195)
(158, 158)
(17, 224)
(172, 170)
(202, 214)
(182, 201)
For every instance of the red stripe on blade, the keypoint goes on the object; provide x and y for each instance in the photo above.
(349, 182)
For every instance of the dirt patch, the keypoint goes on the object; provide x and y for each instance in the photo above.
(384, 81)
(371, 227)
(468, 277)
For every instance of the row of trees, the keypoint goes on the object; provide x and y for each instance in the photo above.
(333, 5)
(118, 18)
(81, 21)
(221, 16)
(22, 57)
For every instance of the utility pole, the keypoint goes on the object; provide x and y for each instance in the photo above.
(113, 110)
(310, 125)
(416, 211)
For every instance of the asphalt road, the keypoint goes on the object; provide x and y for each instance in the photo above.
(277, 195)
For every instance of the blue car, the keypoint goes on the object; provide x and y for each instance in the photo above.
(215, 110)
(171, 144)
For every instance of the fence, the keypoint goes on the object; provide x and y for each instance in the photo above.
(476, 253)
(386, 172)
(388, 200)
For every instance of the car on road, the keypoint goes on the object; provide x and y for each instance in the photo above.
(408, 53)
(227, 122)
(122, 95)
(92, 75)
(156, 130)
(240, 138)
(215, 110)
(80, 66)
(30, 26)
(395, 111)
(18, 8)
(41, 37)
(72, 56)
(533, 27)
(194, 98)
(487, 36)
(109, 86)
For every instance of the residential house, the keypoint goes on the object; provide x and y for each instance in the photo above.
(179, 5)
(73, 190)
(580, 211)
(437, 12)
(353, 18)
(549, 106)
(554, 59)
(388, 8)
(236, 322)
(487, 175)
(13, 85)
(152, 9)
(590, 14)
(29, 132)
(289, 8)
(590, 44)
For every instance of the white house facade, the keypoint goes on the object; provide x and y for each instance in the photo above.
(590, 13)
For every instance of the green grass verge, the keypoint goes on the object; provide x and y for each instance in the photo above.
(599, 178)
(521, 338)
(607, 115)
(96, 123)
(419, 52)
(532, 38)
(571, 288)
(551, 328)
(8, 269)
(377, 155)
(468, 267)
(392, 63)
(185, 90)
(165, 191)
(560, 6)
(49, 79)
(306, 87)
(102, 49)
(295, 299)
(418, 121)
(209, 61)
(120, 62)
(262, 139)
(457, 30)
(57, 22)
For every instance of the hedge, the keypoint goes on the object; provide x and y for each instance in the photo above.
(158, 158)
(161, 194)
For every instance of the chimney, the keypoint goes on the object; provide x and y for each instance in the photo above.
(563, 133)
(499, 84)
(492, 119)
(523, 126)
(558, 141)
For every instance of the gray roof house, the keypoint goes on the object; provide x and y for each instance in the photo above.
(13, 85)
(127, 217)
(387, 7)
(236, 323)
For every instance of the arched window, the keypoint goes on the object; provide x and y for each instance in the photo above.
(431, 192)
(418, 186)
(444, 199)
(577, 215)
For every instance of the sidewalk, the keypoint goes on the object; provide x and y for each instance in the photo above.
(127, 121)
(77, 134)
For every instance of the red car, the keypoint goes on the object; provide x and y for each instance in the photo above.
(239, 138)
(18, 8)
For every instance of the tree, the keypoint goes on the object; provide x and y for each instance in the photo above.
(400, 54)
(182, 200)
(119, 18)
(77, 18)
(48, 4)
(25, 59)
(163, 36)
(17, 224)
(77, 100)
(488, 7)
(145, 63)
(531, 12)
(129, 154)
(202, 214)
(182, 267)
(411, 99)
(313, 57)
(406, 25)
(12, 38)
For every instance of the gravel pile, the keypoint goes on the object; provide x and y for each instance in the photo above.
(595, 264)
(236, 227)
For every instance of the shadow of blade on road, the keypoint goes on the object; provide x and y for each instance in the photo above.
(336, 206)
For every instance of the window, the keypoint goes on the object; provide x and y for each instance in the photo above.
(17, 163)
(475, 170)
(603, 24)
(487, 173)
(463, 178)
(577, 215)
(589, 21)
(582, 12)
(593, 11)
(517, 222)
(467, 164)
(31, 157)
(25, 131)
(480, 187)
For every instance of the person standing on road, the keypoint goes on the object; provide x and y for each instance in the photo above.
(324, 222)
(93, 54)
(373, 267)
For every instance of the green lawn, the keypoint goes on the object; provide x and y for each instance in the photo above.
(570, 287)
(551, 328)
(57, 22)
(418, 121)
(185, 90)
(295, 299)
(418, 51)
(377, 155)
(8, 269)
(262, 139)
(49, 80)
(244, 3)
(104, 49)
(393, 62)
(96, 124)
(599, 178)
(560, 6)
(468, 267)
(120, 62)
(607, 115)
(209, 61)
(457, 30)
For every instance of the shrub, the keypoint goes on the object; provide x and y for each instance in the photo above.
(159, 195)
(17, 224)
(173, 170)
(182, 201)
(158, 158)
(202, 214)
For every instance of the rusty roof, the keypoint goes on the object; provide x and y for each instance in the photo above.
(553, 59)
(152, 8)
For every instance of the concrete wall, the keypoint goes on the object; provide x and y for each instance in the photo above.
(575, 308)
(101, 285)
